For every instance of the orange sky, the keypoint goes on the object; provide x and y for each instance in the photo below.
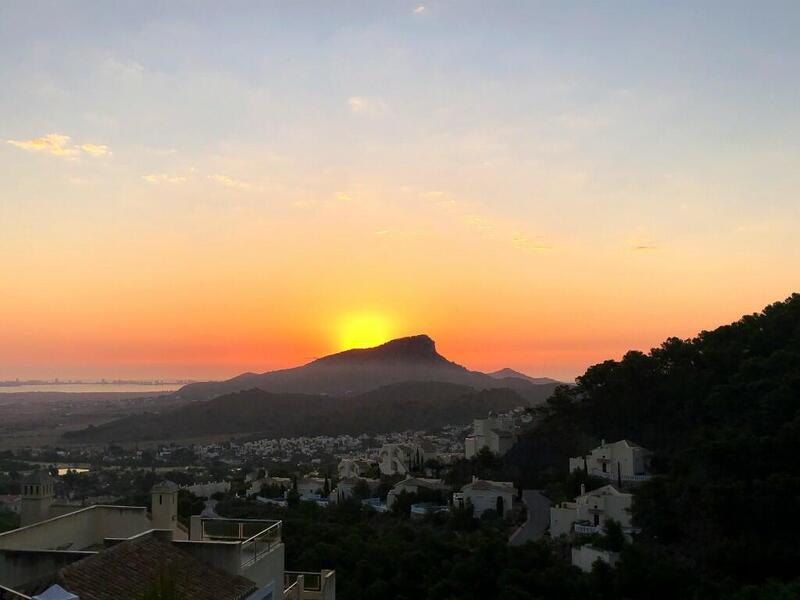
(536, 187)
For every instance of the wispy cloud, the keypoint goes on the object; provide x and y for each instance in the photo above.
(52, 143)
(95, 149)
(58, 144)
(230, 182)
(419, 10)
(520, 240)
(367, 106)
(164, 178)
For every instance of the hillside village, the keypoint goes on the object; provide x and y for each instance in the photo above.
(561, 496)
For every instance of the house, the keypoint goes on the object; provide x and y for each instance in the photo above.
(494, 433)
(401, 459)
(622, 462)
(311, 488)
(106, 552)
(349, 467)
(413, 485)
(345, 488)
(590, 511)
(485, 495)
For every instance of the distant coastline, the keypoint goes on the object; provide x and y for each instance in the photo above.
(8, 387)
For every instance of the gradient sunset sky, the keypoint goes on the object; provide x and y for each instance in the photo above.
(193, 190)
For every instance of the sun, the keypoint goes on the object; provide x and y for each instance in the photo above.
(364, 330)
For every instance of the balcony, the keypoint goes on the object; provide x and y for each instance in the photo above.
(587, 529)
(626, 478)
(304, 585)
(255, 536)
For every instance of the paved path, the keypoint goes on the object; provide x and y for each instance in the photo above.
(538, 521)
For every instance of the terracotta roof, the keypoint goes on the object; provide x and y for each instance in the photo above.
(130, 569)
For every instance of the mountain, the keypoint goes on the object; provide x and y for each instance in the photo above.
(511, 373)
(396, 407)
(356, 371)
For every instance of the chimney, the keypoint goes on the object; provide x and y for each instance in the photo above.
(474, 478)
(602, 442)
(583, 489)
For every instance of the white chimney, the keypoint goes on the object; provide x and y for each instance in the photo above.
(583, 489)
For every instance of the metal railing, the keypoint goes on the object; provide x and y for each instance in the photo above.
(587, 529)
(312, 582)
(9, 594)
(257, 536)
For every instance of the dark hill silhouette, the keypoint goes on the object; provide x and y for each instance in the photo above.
(511, 373)
(396, 407)
(356, 371)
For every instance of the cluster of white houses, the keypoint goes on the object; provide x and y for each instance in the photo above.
(623, 463)
(112, 552)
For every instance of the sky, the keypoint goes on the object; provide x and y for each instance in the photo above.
(196, 189)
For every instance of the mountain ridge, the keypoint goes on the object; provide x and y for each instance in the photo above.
(355, 371)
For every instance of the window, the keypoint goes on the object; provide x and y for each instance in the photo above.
(160, 499)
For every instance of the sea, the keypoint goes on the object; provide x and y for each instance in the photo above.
(91, 387)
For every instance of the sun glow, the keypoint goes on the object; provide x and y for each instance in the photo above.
(364, 330)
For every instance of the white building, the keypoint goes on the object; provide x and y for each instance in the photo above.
(621, 461)
(349, 467)
(413, 485)
(346, 487)
(485, 495)
(494, 433)
(401, 459)
(109, 552)
(590, 511)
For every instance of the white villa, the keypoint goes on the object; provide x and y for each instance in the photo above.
(345, 487)
(401, 459)
(412, 485)
(486, 495)
(621, 461)
(494, 433)
(349, 467)
(590, 511)
(107, 552)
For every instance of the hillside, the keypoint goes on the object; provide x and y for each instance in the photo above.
(722, 414)
(511, 373)
(356, 371)
(397, 407)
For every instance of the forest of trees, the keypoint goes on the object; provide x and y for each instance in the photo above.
(721, 413)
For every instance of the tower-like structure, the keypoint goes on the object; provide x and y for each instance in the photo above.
(37, 496)
(164, 505)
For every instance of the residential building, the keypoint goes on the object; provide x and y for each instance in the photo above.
(621, 462)
(106, 552)
(485, 495)
(413, 485)
(345, 488)
(401, 459)
(349, 467)
(590, 511)
(495, 433)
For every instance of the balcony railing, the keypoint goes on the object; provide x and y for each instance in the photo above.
(613, 476)
(9, 594)
(587, 529)
(312, 582)
(257, 536)
(303, 585)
